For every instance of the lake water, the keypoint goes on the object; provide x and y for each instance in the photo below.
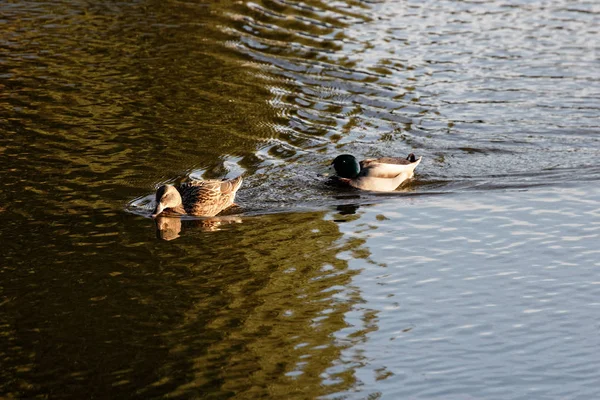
(479, 279)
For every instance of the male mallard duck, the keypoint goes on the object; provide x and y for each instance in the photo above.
(201, 198)
(376, 174)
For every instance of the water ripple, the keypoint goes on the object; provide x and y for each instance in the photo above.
(394, 88)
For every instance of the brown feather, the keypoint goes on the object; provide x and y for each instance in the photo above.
(208, 198)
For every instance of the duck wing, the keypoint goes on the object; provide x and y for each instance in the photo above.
(210, 197)
(388, 167)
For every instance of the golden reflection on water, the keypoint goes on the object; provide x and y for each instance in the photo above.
(279, 295)
(105, 101)
(255, 309)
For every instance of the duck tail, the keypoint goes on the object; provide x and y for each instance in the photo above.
(232, 185)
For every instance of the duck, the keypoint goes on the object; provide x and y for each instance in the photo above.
(203, 198)
(375, 174)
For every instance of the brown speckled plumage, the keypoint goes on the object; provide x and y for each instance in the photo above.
(200, 198)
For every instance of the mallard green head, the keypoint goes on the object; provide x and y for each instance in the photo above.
(346, 166)
(167, 196)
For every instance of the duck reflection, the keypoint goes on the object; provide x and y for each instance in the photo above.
(347, 209)
(169, 227)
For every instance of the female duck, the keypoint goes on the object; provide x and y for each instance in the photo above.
(201, 198)
(376, 174)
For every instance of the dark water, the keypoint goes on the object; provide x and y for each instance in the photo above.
(479, 279)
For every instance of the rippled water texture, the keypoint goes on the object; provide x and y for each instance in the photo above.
(478, 279)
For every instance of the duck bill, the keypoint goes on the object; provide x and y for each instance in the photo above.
(159, 208)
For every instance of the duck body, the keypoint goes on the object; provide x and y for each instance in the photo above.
(199, 198)
(375, 174)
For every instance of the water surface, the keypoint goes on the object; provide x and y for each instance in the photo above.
(477, 279)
